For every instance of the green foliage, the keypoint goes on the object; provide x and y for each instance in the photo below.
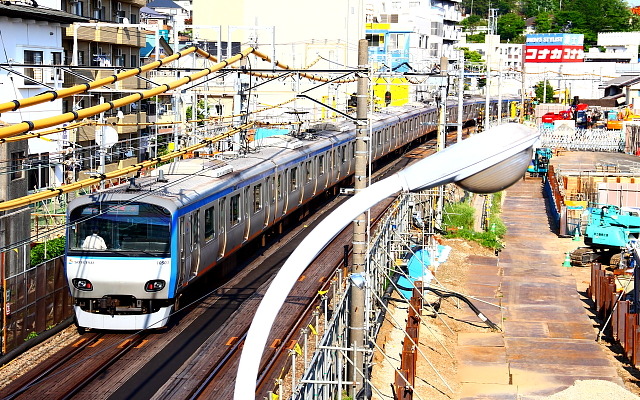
(201, 112)
(471, 55)
(539, 90)
(459, 216)
(472, 22)
(510, 26)
(459, 220)
(477, 38)
(543, 22)
(31, 335)
(587, 17)
(48, 250)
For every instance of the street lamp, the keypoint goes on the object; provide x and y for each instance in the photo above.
(484, 163)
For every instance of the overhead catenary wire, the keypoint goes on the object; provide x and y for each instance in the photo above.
(77, 89)
(27, 126)
(53, 192)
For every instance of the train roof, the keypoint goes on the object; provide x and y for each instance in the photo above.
(183, 182)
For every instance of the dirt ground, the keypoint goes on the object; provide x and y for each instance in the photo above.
(437, 366)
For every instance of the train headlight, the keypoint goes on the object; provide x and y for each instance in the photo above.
(82, 284)
(155, 285)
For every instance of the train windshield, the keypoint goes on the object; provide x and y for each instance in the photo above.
(130, 227)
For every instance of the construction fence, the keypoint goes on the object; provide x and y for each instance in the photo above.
(607, 290)
(34, 301)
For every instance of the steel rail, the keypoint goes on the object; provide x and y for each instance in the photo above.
(50, 369)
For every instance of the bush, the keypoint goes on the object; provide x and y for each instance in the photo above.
(54, 248)
(458, 220)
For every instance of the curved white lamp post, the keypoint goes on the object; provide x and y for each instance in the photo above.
(484, 163)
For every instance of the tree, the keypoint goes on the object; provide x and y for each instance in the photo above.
(543, 22)
(540, 92)
(471, 55)
(472, 22)
(201, 114)
(510, 26)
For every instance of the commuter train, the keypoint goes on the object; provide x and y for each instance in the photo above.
(133, 249)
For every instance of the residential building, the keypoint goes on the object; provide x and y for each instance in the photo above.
(32, 37)
(619, 47)
(31, 59)
(109, 43)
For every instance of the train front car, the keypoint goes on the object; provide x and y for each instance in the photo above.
(118, 263)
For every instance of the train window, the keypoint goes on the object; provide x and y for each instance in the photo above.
(379, 135)
(234, 210)
(195, 229)
(271, 188)
(293, 178)
(308, 171)
(343, 154)
(123, 227)
(321, 164)
(209, 223)
(257, 198)
(279, 186)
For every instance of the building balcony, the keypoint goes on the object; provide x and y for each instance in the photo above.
(109, 34)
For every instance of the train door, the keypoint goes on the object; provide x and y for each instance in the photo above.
(279, 195)
(185, 249)
(222, 235)
(285, 190)
(269, 200)
(195, 243)
(247, 213)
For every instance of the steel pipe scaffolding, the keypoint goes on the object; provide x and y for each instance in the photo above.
(484, 163)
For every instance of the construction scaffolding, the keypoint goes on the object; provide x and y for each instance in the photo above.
(408, 225)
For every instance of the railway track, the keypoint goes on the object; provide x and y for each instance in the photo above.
(197, 356)
(60, 377)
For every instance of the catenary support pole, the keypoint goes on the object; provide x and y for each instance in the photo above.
(357, 304)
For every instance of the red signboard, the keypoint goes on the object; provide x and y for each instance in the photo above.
(549, 54)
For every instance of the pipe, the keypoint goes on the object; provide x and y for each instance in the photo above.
(27, 126)
(53, 192)
(66, 92)
(445, 294)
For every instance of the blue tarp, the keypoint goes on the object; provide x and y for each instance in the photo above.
(418, 268)
(266, 132)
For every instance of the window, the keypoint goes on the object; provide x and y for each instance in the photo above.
(279, 186)
(234, 210)
(133, 19)
(81, 58)
(308, 172)
(272, 189)
(375, 40)
(56, 59)
(128, 227)
(257, 198)
(321, 164)
(396, 41)
(343, 154)
(17, 158)
(77, 8)
(209, 223)
(293, 178)
(98, 10)
(436, 29)
(134, 61)
(195, 230)
(119, 58)
(33, 57)
(38, 172)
